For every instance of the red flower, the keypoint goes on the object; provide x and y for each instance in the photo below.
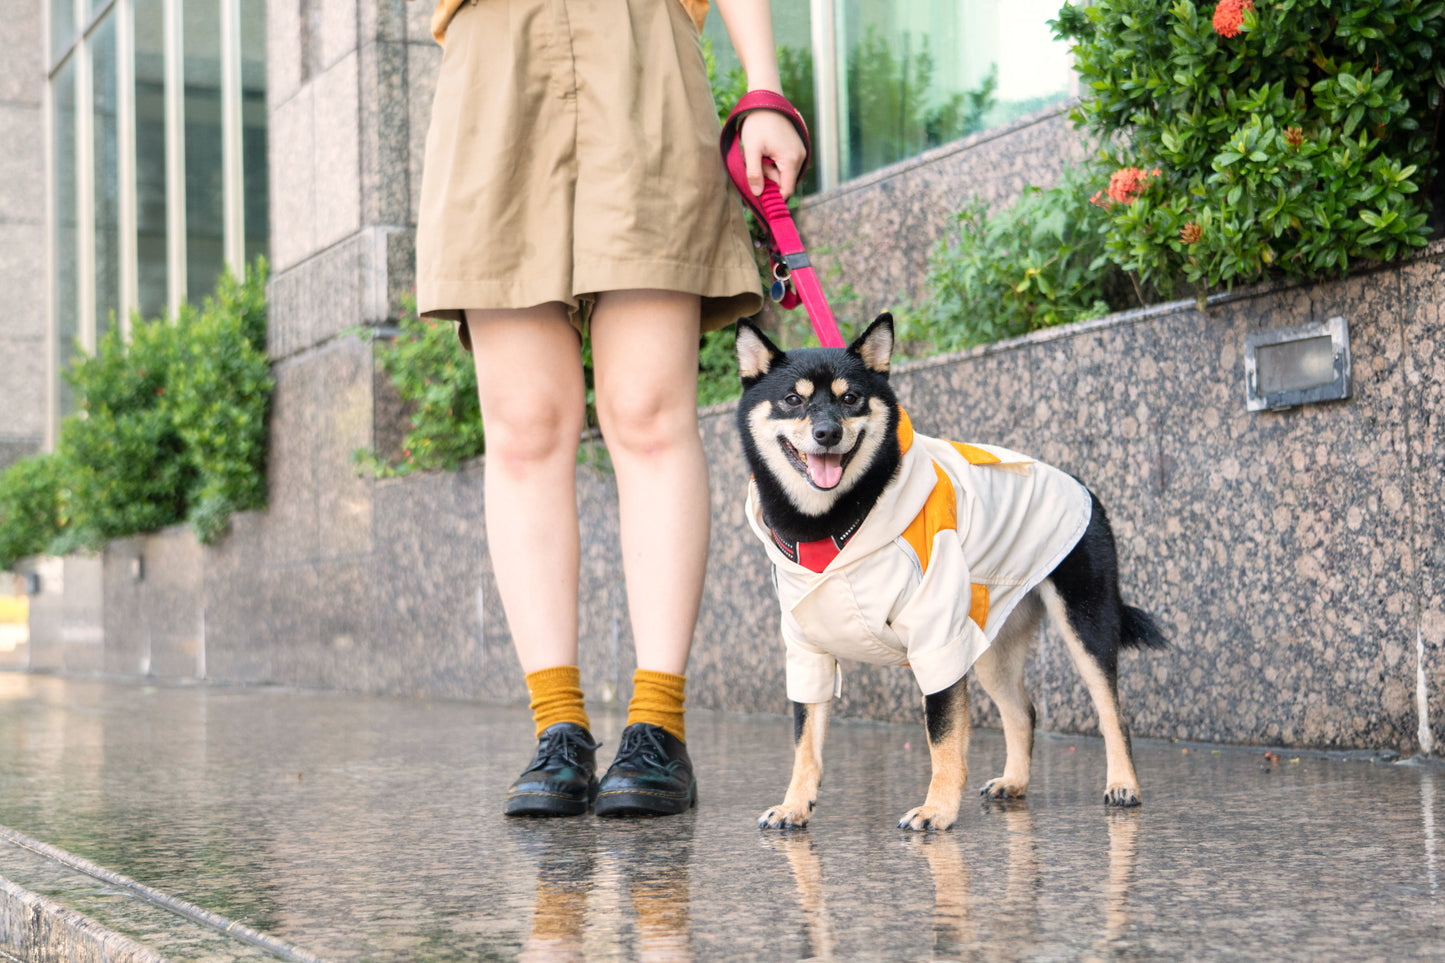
(1229, 15)
(1126, 183)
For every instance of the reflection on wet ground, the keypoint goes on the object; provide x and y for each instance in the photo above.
(370, 828)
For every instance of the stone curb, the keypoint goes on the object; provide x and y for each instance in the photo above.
(180, 907)
(36, 930)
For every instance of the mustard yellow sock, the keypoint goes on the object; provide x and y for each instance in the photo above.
(557, 697)
(657, 699)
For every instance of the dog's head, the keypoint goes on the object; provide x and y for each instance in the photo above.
(819, 425)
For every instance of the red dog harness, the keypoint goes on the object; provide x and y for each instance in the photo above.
(793, 274)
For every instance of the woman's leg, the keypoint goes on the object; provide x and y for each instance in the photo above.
(529, 378)
(644, 356)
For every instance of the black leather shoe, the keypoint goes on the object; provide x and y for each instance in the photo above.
(652, 775)
(561, 779)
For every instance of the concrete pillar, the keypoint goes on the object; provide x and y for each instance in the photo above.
(22, 232)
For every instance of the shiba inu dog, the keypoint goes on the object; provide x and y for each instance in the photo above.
(891, 547)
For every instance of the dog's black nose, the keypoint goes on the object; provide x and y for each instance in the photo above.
(828, 434)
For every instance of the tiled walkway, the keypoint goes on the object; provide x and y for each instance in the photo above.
(364, 828)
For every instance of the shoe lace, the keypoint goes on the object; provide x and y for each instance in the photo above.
(565, 745)
(642, 747)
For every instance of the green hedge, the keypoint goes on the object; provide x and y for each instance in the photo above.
(170, 427)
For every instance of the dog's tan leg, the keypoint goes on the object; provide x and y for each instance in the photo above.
(946, 715)
(1000, 671)
(1121, 786)
(810, 726)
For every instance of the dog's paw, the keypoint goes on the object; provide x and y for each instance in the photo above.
(1122, 795)
(928, 818)
(785, 817)
(1000, 789)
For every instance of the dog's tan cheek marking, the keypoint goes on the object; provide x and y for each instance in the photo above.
(758, 418)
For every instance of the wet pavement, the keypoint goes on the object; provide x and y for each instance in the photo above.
(366, 828)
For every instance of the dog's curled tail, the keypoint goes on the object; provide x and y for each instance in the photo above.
(1141, 630)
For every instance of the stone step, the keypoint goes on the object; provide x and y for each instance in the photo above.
(55, 905)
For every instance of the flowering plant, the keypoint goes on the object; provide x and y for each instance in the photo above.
(1288, 136)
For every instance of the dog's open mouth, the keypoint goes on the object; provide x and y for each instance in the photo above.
(823, 471)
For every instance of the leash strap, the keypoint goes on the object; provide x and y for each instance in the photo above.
(793, 276)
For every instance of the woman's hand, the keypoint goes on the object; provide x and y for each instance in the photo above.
(766, 135)
(771, 149)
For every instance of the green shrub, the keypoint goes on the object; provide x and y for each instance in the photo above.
(29, 508)
(219, 397)
(123, 464)
(435, 378)
(170, 427)
(1290, 138)
(1037, 264)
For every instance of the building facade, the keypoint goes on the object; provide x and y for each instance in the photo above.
(156, 142)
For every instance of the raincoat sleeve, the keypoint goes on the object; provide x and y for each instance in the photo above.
(942, 640)
(810, 670)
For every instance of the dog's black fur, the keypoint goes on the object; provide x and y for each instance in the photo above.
(1081, 594)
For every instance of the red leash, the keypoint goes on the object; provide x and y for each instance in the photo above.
(793, 276)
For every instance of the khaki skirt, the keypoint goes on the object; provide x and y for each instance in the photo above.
(573, 150)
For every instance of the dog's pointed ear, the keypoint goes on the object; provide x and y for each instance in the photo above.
(875, 346)
(756, 354)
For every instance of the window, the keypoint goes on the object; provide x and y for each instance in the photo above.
(157, 117)
(882, 80)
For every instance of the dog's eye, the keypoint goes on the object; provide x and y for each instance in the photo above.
(850, 398)
(792, 399)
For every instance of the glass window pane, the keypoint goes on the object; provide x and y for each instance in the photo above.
(150, 156)
(919, 73)
(66, 275)
(792, 31)
(205, 194)
(106, 172)
(253, 131)
(62, 27)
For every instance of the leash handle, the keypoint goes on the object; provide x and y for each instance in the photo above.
(791, 265)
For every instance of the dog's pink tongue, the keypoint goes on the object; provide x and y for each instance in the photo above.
(825, 470)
